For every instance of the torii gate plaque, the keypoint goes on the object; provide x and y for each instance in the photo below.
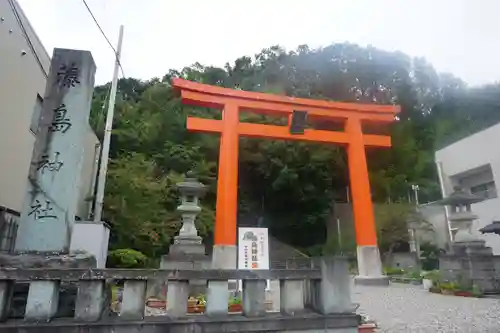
(231, 102)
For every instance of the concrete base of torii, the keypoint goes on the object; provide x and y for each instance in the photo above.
(370, 267)
(225, 257)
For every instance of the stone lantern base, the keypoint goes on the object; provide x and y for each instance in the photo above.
(188, 252)
(470, 263)
(473, 247)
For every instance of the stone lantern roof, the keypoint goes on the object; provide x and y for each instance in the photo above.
(459, 197)
(191, 186)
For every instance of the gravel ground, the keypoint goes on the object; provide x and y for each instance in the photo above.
(406, 308)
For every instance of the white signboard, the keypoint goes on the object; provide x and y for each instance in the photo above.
(253, 248)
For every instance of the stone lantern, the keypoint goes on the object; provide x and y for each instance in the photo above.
(191, 191)
(470, 262)
(187, 250)
(187, 244)
(461, 217)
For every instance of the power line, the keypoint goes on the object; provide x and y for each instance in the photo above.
(104, 35)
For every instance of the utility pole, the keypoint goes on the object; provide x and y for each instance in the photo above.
(101, 182)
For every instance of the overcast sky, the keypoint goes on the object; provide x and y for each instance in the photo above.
(457, 36)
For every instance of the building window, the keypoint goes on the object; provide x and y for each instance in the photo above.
(35, 117)
(487, 190)
(478, 181)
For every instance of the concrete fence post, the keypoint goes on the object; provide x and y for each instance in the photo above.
(133, 303)
(43, 299)
(89, 300)
(334, 292)
(291, 296)
(217, 296)
(177, 296)
(254, 295)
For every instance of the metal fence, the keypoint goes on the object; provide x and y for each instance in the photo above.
(8, 229)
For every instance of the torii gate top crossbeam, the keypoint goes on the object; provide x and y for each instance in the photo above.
(216, 97)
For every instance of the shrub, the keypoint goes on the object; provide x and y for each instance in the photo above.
(414, 274)
(452, 286)
(430, 256)
(389, 271)
(234, 300)
(126, 258)
(434, 276)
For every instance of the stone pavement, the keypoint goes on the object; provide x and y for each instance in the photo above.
(407, 308)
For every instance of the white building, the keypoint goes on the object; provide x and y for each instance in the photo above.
(473, 163)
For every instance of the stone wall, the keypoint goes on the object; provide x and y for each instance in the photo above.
(305, 323)
(324, 305)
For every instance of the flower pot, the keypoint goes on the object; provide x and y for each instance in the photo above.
(156, 303)
(196, 309)
(427, 284)
(235, 308)
(367, 328)
(463, 293)
(192, 302)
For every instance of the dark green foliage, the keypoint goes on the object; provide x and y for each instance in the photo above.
(126, 258)
(389, 271)
(292, 184)
(429, 254)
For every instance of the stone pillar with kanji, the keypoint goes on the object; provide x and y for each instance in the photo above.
(48, 213)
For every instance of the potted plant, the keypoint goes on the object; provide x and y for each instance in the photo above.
(196, 304)
(202, 302)
(366, 325)
(463, 293)
(192, 301)
(156, 303)
(474, 291)
(235, 305)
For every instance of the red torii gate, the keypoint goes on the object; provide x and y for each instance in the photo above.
(232, 101)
